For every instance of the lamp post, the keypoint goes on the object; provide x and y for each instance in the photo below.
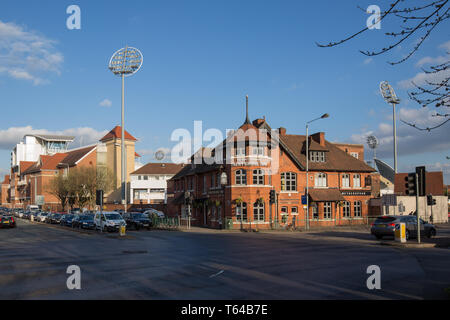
(389, 96)
(324, 116)
(125, 62)
(223, 183)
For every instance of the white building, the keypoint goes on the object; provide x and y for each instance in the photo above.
(148, 184)
(33, 146)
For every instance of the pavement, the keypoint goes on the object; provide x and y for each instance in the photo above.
(213, 264)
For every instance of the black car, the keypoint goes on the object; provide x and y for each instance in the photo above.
(66, 220)
(7, 221)
(136, 220)
(26, 215)
(55, 218)
(84, 221)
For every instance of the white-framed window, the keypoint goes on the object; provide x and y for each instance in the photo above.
(288, 181)
(315, 212)
(316, 156)
(258, 176)
(294, 210)
(321, 180)
(139, 177)
(284, 211)
(241, 177)
(346, 209)
(258, 211)
(327, 210)
(204, 184)
(356, 181)
(240, 151)
(257, 151)
(346, 180)
(357, 208)
(145, 177)
(213, 213)
(241, 212)
(218, 180)
(354, 154)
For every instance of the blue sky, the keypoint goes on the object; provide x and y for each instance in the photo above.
(200, 60)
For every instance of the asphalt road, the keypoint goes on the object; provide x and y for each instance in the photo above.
(205, 264)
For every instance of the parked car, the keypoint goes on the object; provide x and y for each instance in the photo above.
(55, 218)
(154, 212)
(26, 215)
(66, 220)
(42, 216)
(34, 215)
(385, 226)
(136, 220)
(108, 221)
(83, 221)
(7, 221)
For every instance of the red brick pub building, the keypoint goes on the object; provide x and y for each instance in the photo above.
(257, 159)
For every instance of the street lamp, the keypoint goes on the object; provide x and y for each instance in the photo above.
(324, 116)
(125, 62)
(389, 96)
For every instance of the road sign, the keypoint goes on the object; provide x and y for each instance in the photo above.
(40, 201)
(304, 199)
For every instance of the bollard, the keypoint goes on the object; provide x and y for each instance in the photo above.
(122, 231)
(400, 232)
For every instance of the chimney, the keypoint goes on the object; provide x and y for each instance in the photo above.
(319, 137)
(282, 131)
(258, 122)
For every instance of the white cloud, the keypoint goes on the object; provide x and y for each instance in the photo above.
(410, 141)
(368, 60)
(26, 55)
(106, 103)
(83, 136)
(422, 78)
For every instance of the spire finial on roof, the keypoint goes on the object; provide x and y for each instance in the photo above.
(247, 120)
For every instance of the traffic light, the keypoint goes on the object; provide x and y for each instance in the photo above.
(99, 198)
(421, 173)
(272, 196)
(434, 202)
(410, 184)
(429, 200)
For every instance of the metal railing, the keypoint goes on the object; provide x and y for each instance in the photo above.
(172, 223)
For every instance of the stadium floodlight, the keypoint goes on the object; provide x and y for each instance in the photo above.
(388, 94)
(124, 63)
(372, 142)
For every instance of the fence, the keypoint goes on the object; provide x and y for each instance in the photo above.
(299, 224)
(171, 223)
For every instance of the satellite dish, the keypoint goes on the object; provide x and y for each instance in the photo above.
(372, 142)
(388, 93)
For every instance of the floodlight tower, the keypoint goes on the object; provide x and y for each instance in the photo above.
(124, 63)
(372, 142)
(389, 96)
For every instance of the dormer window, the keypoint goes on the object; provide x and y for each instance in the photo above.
(317, 156)
(355, 155)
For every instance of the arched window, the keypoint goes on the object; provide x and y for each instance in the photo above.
(321, 180)
(357, 208)
(346, 209)
(241, 211)
(241, 177)
(258, 176)
(258, 211)
(288, 181)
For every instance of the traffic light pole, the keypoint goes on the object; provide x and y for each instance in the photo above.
(417, 207)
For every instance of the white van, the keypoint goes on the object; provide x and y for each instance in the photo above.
(108, 221)
(32, 207)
